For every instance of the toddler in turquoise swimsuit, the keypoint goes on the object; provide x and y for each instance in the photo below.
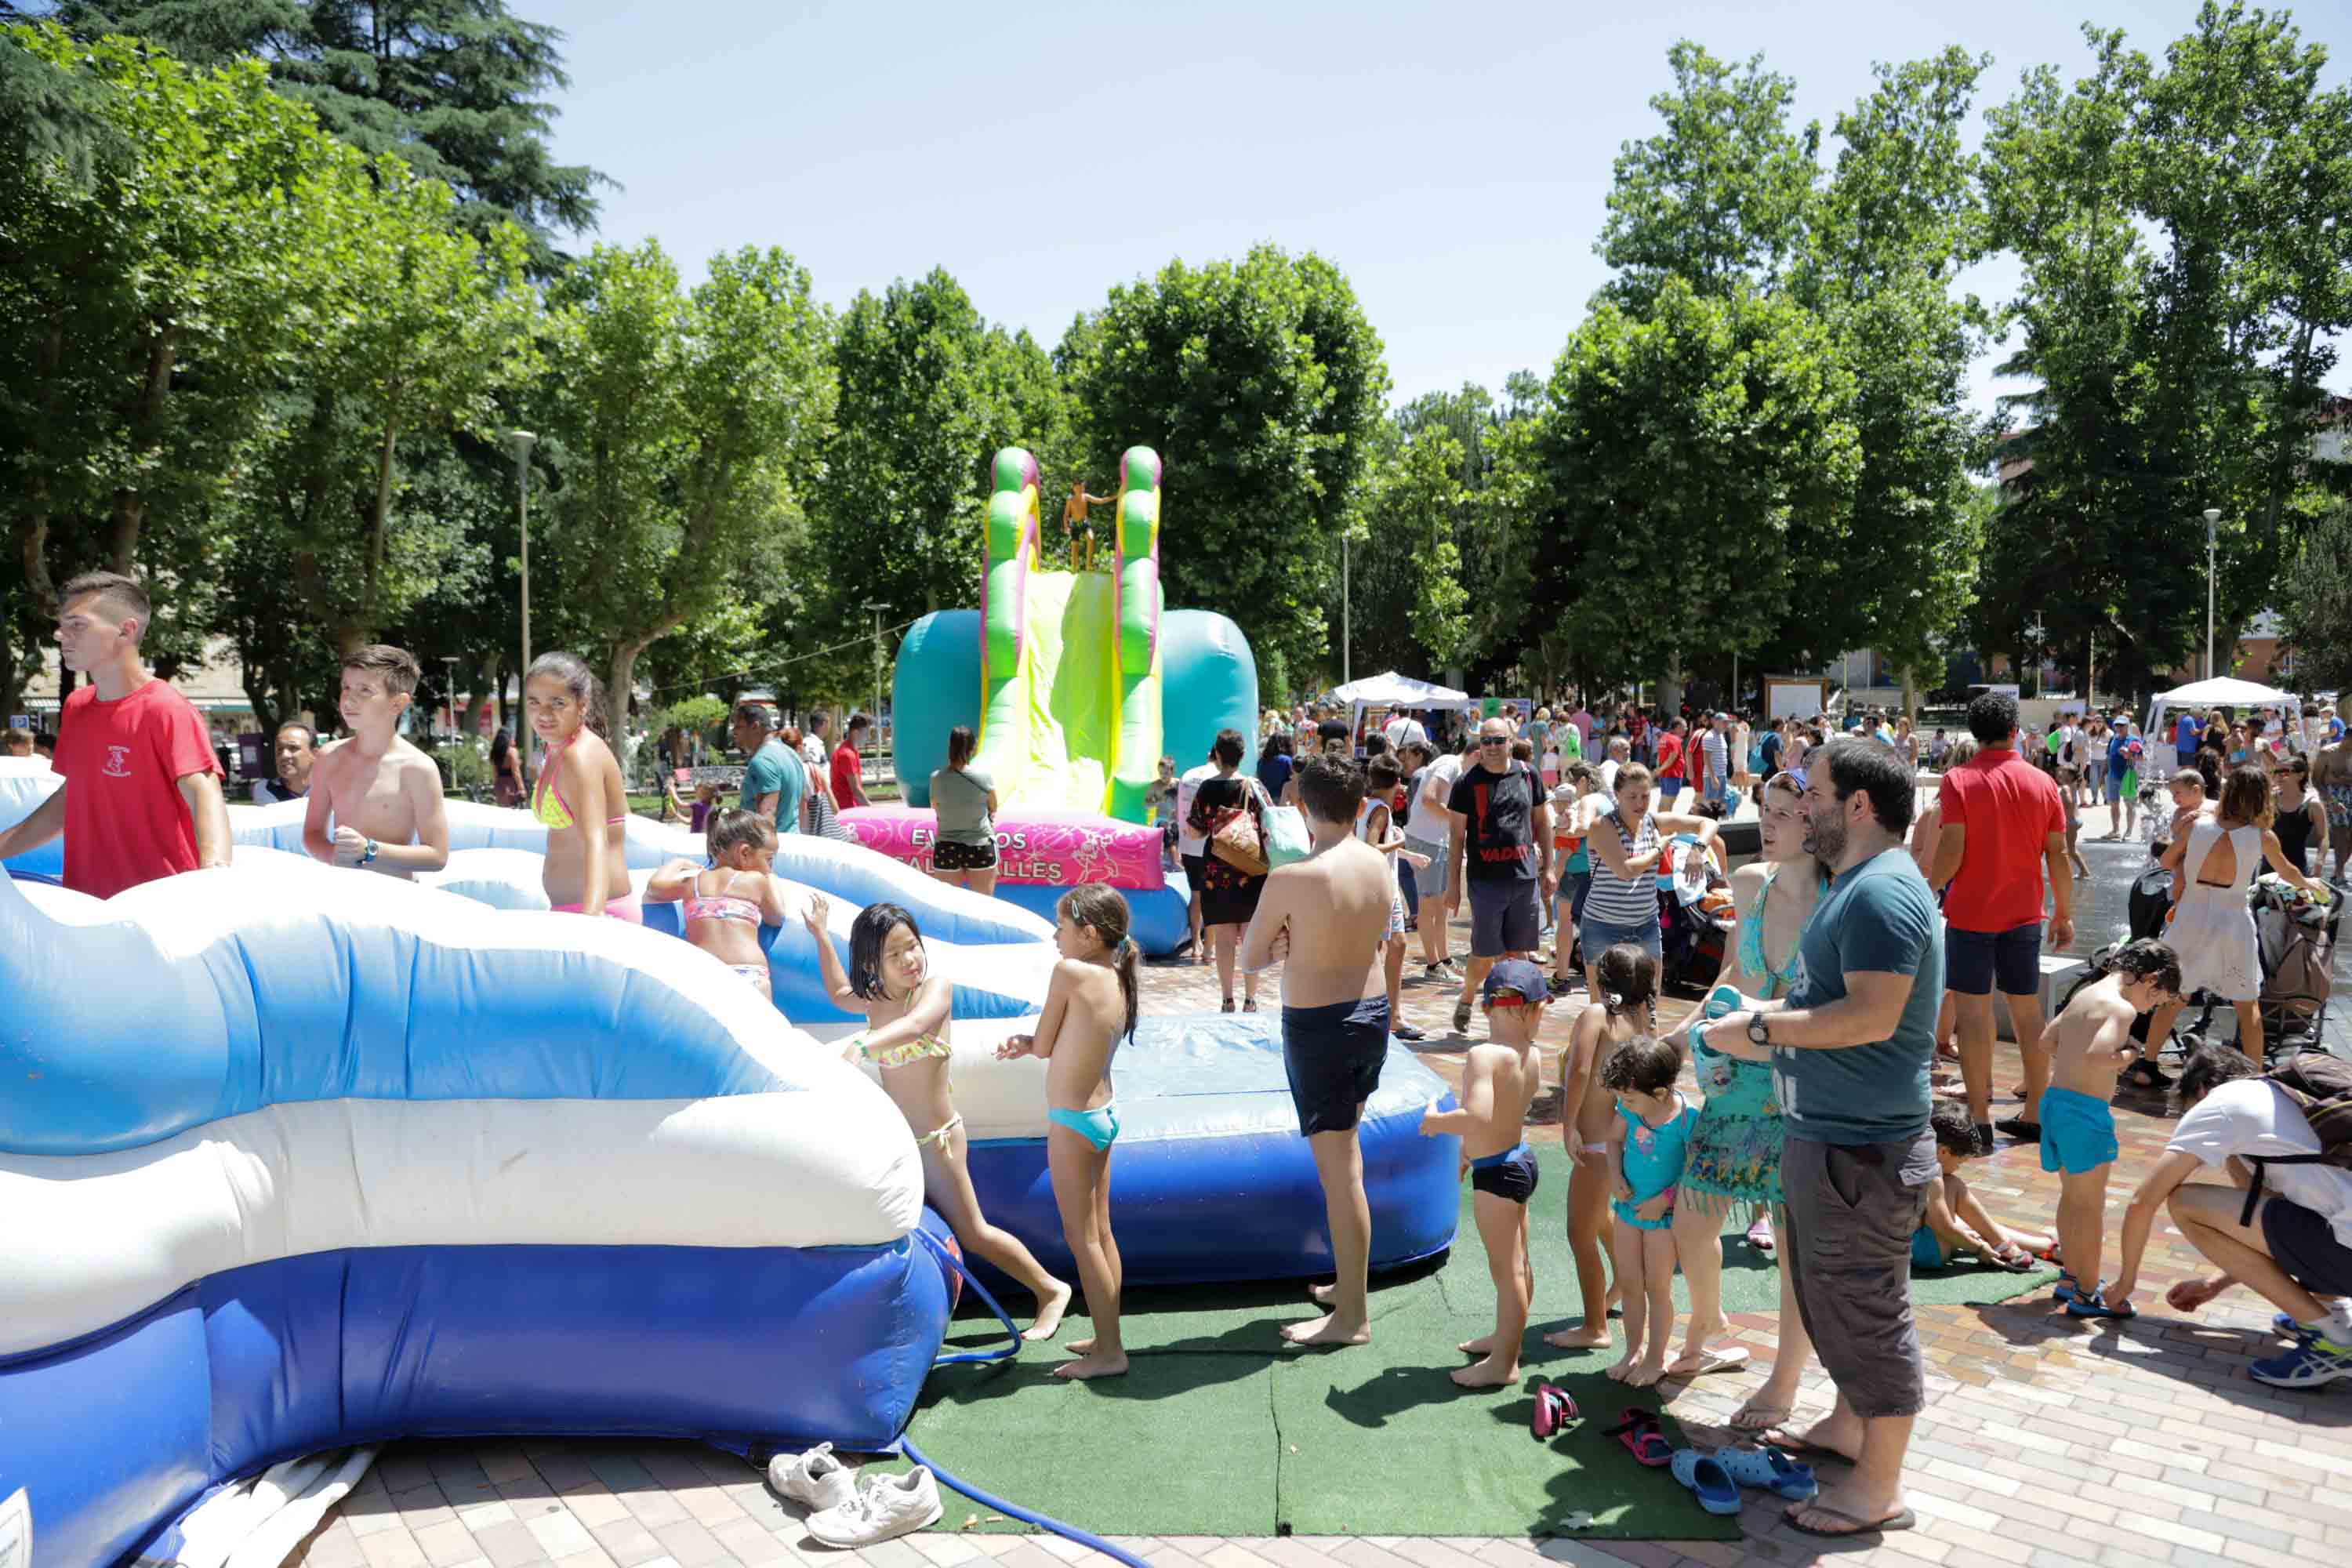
(1650, 1140)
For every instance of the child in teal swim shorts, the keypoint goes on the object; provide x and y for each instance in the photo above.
(1956, 1221)
(1090, 1006)
(2089, 1042)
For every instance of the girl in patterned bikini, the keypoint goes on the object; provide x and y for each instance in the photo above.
(1090, 1007)
(729, 899)
(580, 798)
(905, 1036)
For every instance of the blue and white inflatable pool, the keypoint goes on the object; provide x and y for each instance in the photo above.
(295, 1158)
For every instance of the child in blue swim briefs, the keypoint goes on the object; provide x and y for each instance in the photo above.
(1648, 1142)
(2089, 1042)
(1500, 1081)
(1090, 1007)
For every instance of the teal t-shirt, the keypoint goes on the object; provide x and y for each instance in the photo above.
(773, 769)
(1876, 918)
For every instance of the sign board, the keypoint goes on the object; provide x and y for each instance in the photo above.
(1795, 697)
(20, 721)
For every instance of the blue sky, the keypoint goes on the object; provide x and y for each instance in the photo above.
(1453, 159)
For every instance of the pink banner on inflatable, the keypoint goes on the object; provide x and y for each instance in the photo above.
(1058, 848)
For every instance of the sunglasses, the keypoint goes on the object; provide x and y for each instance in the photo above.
(1493, 740)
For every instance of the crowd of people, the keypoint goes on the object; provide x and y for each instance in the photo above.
(1866, 932)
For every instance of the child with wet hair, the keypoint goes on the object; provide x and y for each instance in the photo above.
(1649, 1141)
(1956, 1222)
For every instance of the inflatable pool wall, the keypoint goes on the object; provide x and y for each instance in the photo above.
(279, 1180)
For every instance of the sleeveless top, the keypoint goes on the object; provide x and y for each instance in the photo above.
(1616, 900)
(2293, 830)
(1751, 946)
(2247, 842)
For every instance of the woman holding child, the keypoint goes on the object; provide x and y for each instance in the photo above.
(1735, 1150)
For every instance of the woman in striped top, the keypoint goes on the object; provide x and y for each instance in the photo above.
(1626, 840)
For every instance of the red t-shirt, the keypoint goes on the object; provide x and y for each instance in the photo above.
(122, 762)
(2009, 808)
(845, 776)
(1670, 755)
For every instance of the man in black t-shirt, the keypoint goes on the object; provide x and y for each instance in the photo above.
(1499, 816)
(1336, 738)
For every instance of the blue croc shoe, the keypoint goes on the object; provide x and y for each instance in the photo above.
(1770, 1469)
(1708, 1480)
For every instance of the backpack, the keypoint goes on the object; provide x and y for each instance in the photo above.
(2320, 1087)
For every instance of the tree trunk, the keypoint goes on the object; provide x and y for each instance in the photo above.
(616, 687)
(147, 427)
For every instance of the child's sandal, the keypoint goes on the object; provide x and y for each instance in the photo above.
(1638, 1430)
(1555, 1408)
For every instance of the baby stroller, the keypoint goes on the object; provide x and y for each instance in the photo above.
(1696, 916)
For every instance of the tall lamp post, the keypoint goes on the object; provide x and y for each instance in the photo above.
(449, 686)
(878, 607)
(1346, 674)
(523, 440)
(2212, 516)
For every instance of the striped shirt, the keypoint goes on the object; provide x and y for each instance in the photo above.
(1614, 899)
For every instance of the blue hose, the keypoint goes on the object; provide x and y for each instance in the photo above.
(957, 1483)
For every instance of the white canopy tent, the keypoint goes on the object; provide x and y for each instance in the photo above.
(1397, 692)
(2221, 691)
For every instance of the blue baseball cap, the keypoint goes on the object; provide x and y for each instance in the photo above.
(1514, 982)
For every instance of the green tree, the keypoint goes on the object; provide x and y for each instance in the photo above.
(929, 391)
(2315, 602)
(2185, 271)
(682, 429)
(457, 89)
(1409, 610)
(1720, 195)
(1258, 381)
(1687, 449)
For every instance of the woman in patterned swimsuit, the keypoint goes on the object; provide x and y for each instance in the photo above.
(1735, 1150)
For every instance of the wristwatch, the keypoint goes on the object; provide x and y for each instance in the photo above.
(369, 859)
(1757, 1032)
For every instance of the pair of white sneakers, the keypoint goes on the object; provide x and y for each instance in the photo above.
(842, 1514)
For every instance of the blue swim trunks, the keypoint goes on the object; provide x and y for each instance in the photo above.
(2078, 1132)
(1332, 1057)
(1926, 1251)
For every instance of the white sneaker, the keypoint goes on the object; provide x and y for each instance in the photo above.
(889, 1506)
(815, 1481)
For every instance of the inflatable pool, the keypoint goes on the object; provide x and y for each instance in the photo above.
(278, 1181)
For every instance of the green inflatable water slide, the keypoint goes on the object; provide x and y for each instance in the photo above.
(1070, 661)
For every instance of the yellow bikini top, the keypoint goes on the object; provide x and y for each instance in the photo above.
(914, 1050)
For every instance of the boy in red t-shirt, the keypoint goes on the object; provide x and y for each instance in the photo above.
(142, 797)
(1670, 764)
(2002, 839)
(848, 780)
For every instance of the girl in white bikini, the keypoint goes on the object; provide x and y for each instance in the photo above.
(907, 1036)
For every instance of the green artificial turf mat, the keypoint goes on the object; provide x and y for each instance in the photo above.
(1220, 1429)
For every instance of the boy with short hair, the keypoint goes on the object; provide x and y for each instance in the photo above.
(383, 795)
(1956, 1221)
(2089, 1042)
(1500, 1081)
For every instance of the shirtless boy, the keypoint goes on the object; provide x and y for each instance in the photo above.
(1500, 1081)
(2090, 1040)
(1326, 920)
(383, 795)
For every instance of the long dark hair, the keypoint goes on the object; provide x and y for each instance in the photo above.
(574, 671)
(868, 932)
(960, 747)
(1629, 979)
(499, 745)
(1098, 907)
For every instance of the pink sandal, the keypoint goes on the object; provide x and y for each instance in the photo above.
(1638, 1430)
(1555, 1408)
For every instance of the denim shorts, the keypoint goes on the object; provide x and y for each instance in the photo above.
(1599, 936)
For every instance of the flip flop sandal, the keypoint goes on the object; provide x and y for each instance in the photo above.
(1554, 1409)
(1770, 1469)
(1761, 1418)
(1708, 1481)
(1907, 1519)
(2014, 1259)
(1638, 1430)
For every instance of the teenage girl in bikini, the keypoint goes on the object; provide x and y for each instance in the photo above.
(579, 799)
(1090, 1007)
(907, 1036)
(730, 899)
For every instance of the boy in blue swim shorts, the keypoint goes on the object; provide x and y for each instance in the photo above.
(2089, 1042)
(1500, 1081)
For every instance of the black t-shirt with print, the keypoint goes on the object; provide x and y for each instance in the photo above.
(1500, 840)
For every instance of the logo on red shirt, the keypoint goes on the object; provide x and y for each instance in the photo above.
(118, 762)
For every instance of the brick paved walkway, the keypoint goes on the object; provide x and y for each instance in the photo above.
(2047, 1442)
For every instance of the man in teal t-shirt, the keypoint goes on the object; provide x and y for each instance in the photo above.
(774, 779)
(1850, 1047)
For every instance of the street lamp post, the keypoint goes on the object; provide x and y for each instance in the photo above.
(523, 440)
(878, 606)
(1347, 675)
(449, 690)
(2212, 516)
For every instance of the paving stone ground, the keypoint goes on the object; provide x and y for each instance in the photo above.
(2047, 1443)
